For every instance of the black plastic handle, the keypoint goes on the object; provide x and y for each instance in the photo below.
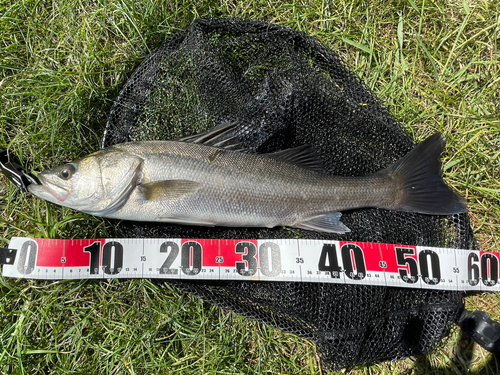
(484, 330)
(7, 256)
(13, 170)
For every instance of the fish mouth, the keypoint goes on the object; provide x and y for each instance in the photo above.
(48, 191)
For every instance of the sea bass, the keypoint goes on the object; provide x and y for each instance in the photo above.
(191, 182)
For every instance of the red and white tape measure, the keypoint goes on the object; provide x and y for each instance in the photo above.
(293, 260)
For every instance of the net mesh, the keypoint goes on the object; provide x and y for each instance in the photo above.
(284, 89)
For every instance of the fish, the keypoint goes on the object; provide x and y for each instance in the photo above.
(209, 180)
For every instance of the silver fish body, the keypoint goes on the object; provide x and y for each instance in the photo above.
(196, 184)
(235, 189)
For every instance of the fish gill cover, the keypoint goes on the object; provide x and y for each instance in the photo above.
(284, 89)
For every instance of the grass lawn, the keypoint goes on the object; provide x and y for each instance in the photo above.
(434, 63)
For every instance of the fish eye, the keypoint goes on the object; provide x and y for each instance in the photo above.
(67, 172)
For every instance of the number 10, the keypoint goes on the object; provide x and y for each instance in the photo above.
(112, 257)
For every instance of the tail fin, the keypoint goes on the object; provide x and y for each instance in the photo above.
(419, 173)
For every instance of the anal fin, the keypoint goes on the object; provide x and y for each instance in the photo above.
(329, 223)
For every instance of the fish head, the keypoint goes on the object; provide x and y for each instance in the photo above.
(97, 184)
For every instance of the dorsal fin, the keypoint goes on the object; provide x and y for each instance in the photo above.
(222, 136)
(302, 156)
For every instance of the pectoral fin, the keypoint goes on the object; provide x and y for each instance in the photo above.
(168, 189)
(329, 223)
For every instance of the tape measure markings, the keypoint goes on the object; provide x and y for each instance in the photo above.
(343, 262)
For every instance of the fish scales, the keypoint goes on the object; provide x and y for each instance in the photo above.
(244, 189)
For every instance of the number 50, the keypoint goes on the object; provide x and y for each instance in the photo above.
(405, 258)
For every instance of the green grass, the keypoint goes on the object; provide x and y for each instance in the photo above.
(435, 64)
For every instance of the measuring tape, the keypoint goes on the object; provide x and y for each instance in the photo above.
(295, 260)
